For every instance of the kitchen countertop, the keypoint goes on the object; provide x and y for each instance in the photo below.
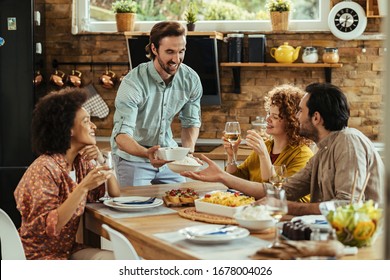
(211, 148)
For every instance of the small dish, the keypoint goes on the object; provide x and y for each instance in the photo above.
(255, 225)
(177, 153)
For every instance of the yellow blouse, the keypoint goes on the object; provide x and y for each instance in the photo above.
(294, 157)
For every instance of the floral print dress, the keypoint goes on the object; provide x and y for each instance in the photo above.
(43, 188)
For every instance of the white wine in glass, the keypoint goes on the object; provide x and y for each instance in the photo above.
(108, 158)
(232, 134)
(278, 175)
(277, 208)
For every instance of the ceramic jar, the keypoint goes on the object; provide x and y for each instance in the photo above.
(330, 55)
(310, 55)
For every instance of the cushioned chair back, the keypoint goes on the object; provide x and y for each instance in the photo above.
(11, 246)
(123, 250)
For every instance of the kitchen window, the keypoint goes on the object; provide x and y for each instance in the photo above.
(307, 15)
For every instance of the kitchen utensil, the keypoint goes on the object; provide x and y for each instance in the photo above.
(285, 53)
(74, 78)
(58, 78)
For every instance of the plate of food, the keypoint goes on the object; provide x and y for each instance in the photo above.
(186, 164)
(180, 197)
(222, 203)
(214, 233)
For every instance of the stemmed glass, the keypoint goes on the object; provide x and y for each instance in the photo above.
(277, 207)
(278, 175)
(108, 158)
(261, 123)
(232, 134)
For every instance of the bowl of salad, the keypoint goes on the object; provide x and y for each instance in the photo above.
(356, 224)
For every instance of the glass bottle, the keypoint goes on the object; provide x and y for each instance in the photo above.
(310, 55)
(330, 55)
(315, 235)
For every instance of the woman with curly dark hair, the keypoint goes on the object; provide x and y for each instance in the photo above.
(285, 147)
(52, 194)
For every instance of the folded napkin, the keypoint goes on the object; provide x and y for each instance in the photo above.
(289, 250)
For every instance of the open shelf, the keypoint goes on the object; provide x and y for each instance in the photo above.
(263, 64)
(237, 65)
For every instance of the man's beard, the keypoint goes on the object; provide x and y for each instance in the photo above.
(166, 67)
(309, 131)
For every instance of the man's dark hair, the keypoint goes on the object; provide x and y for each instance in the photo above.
(53, 118)
(331, 103)
(161, 30)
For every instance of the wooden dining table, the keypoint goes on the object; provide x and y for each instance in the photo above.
(145, 231)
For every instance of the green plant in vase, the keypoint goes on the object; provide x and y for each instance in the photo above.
(279, 12)
(125, 13)
(190, 16)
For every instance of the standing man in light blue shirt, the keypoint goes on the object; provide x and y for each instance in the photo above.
(148, 99)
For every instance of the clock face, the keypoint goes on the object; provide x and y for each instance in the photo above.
(347, 20)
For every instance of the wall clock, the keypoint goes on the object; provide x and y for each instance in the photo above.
(347, 20)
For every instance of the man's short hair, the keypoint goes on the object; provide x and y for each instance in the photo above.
(331, 103)
(161, 30)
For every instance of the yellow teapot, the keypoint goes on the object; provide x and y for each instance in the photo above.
(285, 53)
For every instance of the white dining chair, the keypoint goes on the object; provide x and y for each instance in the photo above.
(123, 249)
(11, 245)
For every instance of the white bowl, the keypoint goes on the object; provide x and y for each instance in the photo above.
(177, 153)
(254, 225)
(177, 167)
(216, 209)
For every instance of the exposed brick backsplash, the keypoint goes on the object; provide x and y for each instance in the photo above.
(360, 77)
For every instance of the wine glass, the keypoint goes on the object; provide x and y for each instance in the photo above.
(276, 204)
(278, 175)
(260, 125)
(232, 134)
(108, 158)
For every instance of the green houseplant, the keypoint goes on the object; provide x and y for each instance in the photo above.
(125, 13)
(279, 12)
(190, 16)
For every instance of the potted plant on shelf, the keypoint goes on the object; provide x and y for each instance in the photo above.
(125, 13)
(190, 16)
(279, 12)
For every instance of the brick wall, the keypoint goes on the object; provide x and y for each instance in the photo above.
(360, 77)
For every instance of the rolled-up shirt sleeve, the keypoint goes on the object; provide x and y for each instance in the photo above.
(190, 115)
(126, 108)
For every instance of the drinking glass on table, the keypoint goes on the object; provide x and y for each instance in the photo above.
(232, 134)
(108, 162)
(278, 175)
(276, 204)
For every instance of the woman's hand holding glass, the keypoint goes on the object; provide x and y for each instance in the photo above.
(232, 134)
(108, 172)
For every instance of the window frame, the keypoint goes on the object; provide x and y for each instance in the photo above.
(80, 11)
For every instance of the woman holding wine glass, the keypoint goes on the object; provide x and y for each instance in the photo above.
(53, 192)
(285, 146)
(232, 135)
